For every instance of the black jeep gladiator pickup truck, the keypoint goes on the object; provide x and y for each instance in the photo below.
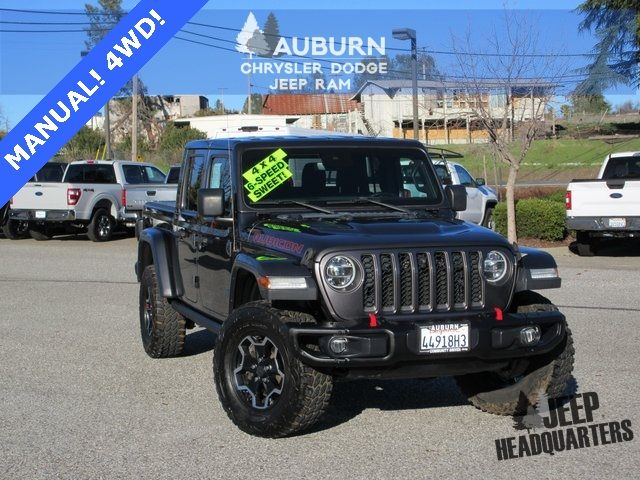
(318, 258)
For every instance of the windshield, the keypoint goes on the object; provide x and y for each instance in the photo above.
(622, 168)
(336, 175)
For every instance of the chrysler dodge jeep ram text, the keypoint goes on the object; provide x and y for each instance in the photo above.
(317, 258)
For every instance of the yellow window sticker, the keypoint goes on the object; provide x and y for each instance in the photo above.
(267, 175)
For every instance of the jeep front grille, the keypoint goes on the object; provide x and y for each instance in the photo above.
(413, 282)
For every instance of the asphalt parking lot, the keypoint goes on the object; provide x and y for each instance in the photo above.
(80, 399)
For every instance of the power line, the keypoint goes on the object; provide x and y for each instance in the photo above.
(290, 37)
(223, 40)
(578, 77)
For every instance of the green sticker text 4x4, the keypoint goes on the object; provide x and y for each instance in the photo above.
(267, 175)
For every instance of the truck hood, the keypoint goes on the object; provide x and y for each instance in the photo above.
(295, 237)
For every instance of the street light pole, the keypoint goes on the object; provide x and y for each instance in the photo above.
(414, 84)
(410, 34)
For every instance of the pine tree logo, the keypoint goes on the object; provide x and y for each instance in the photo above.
(254, 41)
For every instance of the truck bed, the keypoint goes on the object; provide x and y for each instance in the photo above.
(608, 198)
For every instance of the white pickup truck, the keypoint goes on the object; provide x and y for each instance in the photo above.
(608, 207)
(96, 196)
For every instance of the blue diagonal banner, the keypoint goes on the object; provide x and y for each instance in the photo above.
(86, 89)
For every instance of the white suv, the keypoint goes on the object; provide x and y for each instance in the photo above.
(481, 199)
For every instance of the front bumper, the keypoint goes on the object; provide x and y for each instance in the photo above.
(395, 345)
(602, 225)
(43, 215)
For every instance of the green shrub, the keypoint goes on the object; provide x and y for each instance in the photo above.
(500, 218)
(535, 218)
(542, 219)
(556, 196)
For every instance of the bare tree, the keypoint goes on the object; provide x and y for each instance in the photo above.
(508, 88)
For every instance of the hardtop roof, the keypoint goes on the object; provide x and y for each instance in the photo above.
(231, 143)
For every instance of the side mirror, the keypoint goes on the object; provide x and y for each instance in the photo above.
(210, 202)
(457, 195)
(480, 182)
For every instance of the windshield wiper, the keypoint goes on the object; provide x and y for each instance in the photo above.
(302, 204)
(382, 204)
(375, 202)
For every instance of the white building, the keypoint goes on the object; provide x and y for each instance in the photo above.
(445, 110)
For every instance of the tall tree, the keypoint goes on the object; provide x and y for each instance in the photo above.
(591, 104)
(617, 25)
(85, 144)
(272, 32)
(4, 123)
(102, 18)
(401, 67)
(511, 105)
(256, 104)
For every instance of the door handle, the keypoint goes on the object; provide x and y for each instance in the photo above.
(151, 193)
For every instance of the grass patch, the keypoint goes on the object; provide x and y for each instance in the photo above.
(546, 158)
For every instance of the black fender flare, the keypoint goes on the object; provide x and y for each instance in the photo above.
(533, 259)
(4, 215)
(158, 247)
(276, 267)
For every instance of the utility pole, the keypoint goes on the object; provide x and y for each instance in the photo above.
(134, 120)
(107, 131)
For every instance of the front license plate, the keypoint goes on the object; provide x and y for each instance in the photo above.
(41, 214)
(444, 338)
(617, 222)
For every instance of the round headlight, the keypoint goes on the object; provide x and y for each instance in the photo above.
(495, 266)
(340, 272)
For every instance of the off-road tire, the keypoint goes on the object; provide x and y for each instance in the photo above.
(487, 220)
(101, 227)
(40, 234)
(305, 391)
(15, 230)
(585, 245)
(546, 374)
(164, 335)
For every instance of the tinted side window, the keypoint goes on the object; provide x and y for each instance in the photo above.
(465, 178)
(133, 174)
(197, 165)
(174, 175)
(221, 178)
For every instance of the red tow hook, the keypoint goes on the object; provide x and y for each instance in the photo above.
(373, 320)
(499, 315)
